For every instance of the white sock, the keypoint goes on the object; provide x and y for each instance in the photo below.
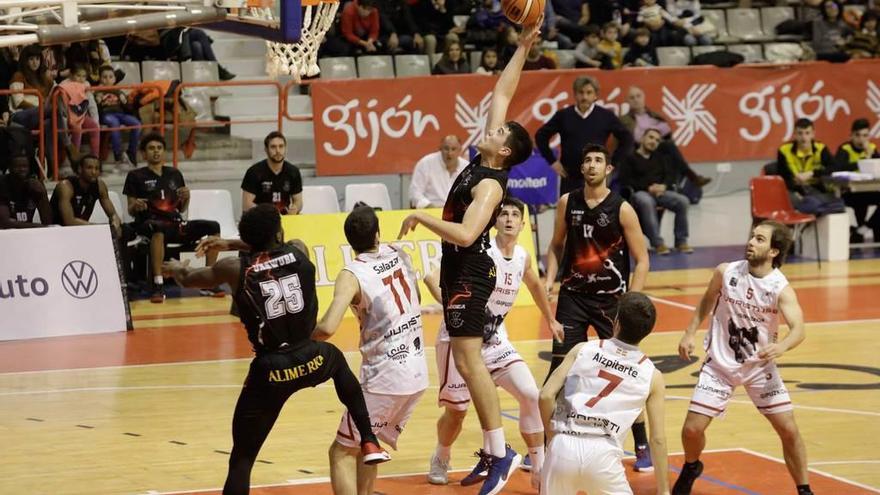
(443, 452)
(497, 446)
(158, 280)
(536, 454)
(487, 444)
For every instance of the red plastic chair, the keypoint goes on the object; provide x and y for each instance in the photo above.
(770, 201)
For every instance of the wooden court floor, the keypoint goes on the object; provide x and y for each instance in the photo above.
(148, 412)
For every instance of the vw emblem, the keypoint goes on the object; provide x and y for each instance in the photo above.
(79, 279)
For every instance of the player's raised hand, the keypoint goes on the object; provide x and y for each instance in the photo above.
(172, 267)
(531, 33)
(558, 331)
(686, 347)
(409, 224)
(772, 351)
(210, 244)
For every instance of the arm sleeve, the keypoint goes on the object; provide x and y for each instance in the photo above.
(374, 25)
(131, 187)
(249, 182)
(827, 163)
(783, 170)
(545, 132)
(580, 52)
(346, 24)
(841, 160)
(297, 186)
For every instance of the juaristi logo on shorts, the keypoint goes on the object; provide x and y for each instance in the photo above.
(78, 278)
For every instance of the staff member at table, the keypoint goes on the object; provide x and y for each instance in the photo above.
(860, 147)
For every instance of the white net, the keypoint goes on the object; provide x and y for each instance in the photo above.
(301, 58)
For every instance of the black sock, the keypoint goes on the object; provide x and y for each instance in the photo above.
(804, 489)
(639, 434)
(348, 389)
(690, 465)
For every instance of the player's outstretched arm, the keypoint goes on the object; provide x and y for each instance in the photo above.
(686, 345)
(551, 388)
(656, 424)
(638, 251)
(345, 291)
(223, 271)
(539, 295)
(487, 195)
(509, 79)
(794, 316)
(557, 243)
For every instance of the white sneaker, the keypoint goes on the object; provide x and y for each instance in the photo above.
(438, 475)
(124, 165)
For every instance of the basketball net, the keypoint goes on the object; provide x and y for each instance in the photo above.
(301, 58)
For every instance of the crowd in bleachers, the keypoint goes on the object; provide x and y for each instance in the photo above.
(606, 34)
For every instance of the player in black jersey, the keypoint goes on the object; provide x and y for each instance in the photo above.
(274, 287)
(74, 198)
(467, 272)
(21, 195)
(595, 234)
(273, 180)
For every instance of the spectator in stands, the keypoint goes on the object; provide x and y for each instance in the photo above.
(485, 23)
(8, 67)
(399, 31)
(452, 61)
(79, 116)
(32, 74)
(578, 125)
(113, 110)
(157, 198)
(434, 173)
(508, 40)
(860, 147)
(89, 55)
(21, 195)
(435, 20)
(550, 30)
(588, 54)
(74, 198)
(647, 174)
(659, 22)
(359, 26)
(802, 163)
(273, 180)
(865, 42)
(642, 53)
(489, 62)
(831, 33)
(189, 43)
(609, 44)
(640, 118)
(689, 21)
(536, 59)
(571, 17)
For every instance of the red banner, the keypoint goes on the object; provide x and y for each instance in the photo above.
(384, 126)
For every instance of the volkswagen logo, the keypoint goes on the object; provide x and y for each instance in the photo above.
(79, 279)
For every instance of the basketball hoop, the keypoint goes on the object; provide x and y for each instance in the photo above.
(300, 58)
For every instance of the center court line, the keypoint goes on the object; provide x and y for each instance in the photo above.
(796, 406)
(672, 303)
(832, 463)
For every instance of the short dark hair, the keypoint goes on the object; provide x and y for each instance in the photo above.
(636, 316)
(610, 25)
(642, 32)
(803, 123)
(152, 137)
(104, 68)
(781, 239)
(77, 164)
(653, 129)
(367, 3)
(259, 225)
(520, 143)
(591, 30)
(582, 81)
(273, 135)
(860, 124)
(595, 148)
(361, 226)
(515, 202)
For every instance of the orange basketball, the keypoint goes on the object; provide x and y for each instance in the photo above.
(524, 12)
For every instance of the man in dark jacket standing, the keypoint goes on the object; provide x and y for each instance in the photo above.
(580, 124)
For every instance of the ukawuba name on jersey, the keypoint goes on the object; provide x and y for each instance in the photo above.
(273, 263)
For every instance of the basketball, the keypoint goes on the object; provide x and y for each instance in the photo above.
(524, 12)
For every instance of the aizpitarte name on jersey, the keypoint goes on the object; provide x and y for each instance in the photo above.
(598, 422)
(616, 365)
(274, 263)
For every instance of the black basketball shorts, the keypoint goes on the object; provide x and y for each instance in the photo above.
(466, 282)
(577, 311)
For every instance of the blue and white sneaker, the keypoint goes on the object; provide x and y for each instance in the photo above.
(480, 471)
(643, 462)
(500, 469)
(526, 464)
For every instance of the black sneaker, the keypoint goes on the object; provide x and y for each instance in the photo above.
(689, 474)
(224, 73)
(158, 295)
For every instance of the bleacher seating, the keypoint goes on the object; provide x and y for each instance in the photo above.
(412, 65)
(214, 204)
(745, 24)
(673, 56)
(338, 68)
(320, 199)
(719, 20)
(772, 17)
(132, 72)
(374, 194)
(752, 53)
(156, 70)
(375, 67)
